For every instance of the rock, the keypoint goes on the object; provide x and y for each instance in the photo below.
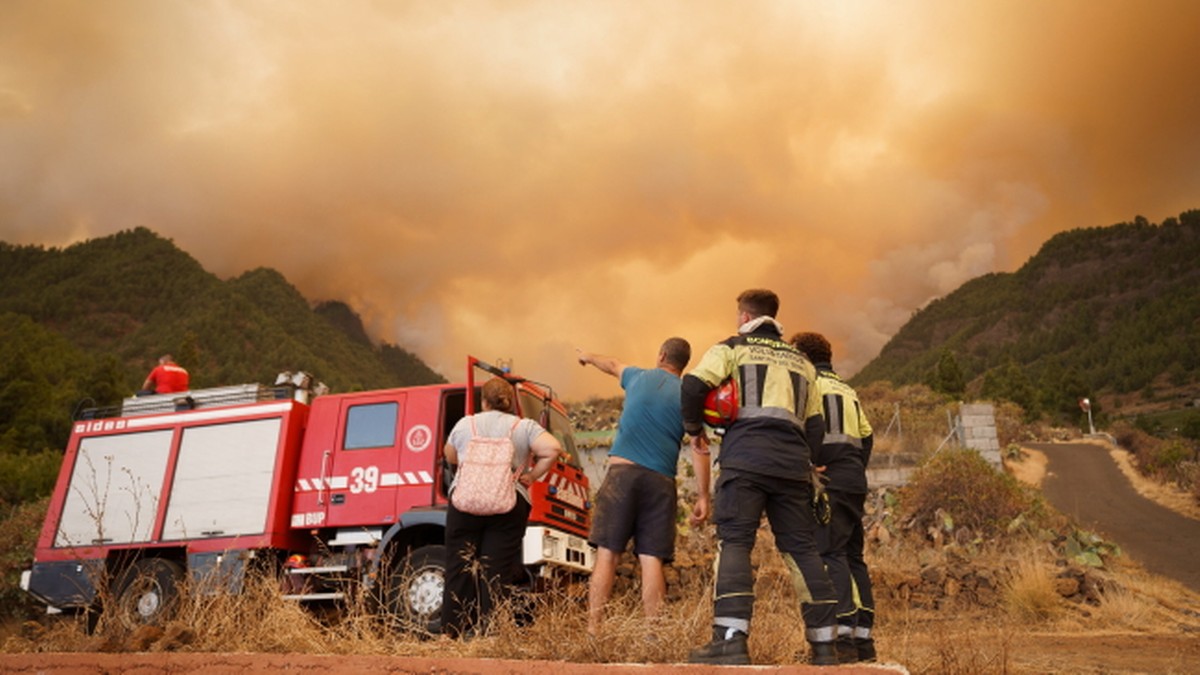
(952, 587)
(934, 575)
(1066, 586)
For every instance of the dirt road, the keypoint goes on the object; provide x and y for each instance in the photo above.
(1084, 482)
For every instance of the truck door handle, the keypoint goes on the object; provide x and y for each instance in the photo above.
(321, 483)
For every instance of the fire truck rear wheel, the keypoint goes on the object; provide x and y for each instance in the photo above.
(148, 592)
(415, 588)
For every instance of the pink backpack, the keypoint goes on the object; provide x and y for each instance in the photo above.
(485, 483)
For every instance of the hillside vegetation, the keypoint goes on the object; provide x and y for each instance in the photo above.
(1109, 313)
(82, 325)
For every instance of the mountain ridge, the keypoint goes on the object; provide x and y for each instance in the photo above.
(1109, 313)
(134, 295)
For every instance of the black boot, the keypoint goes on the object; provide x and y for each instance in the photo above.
(847, 651)
(866, 649)
(823, 654)
(730, 651)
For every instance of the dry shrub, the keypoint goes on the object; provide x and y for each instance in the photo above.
(1190, 476)
(1130, 437)
(19, 529)
(1145, 447)
(1010, 423)
(1166, 461)
(1030, 595)
(65, 635)
(962, 485)
(922, 415)
(1125, 608)
(886, 445)
(257, 619)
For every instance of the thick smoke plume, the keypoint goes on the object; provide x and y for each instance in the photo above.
(516, 179)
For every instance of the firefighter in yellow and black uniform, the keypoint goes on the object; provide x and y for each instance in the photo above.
(844, 455)
(765, 467)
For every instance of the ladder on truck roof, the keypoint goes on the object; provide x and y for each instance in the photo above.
(151, 404)
(298, 385)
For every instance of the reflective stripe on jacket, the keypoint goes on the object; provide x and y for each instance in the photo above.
(848, 436)
(779, 413)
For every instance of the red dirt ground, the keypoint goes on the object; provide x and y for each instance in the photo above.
(237, 664)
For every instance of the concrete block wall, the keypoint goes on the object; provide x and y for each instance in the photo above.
(978, 421)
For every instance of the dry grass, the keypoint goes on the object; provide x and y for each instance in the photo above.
(1030, 595)
(1135, 600)
(1028, 466)
(956, 636)
(962, 643)
(259, 620)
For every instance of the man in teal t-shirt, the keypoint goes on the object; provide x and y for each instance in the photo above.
(637, 499)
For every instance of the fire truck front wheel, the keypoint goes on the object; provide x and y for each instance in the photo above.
(414, 590)
(147, 593)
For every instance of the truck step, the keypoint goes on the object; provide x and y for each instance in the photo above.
(326, 569)
(311, 597)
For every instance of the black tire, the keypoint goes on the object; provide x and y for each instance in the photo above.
(413, 597)
(148, 592)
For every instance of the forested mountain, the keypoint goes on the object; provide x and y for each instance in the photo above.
(1111, 313)
(84, 324)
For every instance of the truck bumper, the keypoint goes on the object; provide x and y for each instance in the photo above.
(551, 547)
(61, 584)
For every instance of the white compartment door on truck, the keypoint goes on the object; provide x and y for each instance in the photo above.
(223, 480)
(115, 489)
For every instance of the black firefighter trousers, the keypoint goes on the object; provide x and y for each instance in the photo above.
(741, 499)
(841, 546)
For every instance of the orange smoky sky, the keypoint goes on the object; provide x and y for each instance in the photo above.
(517, 179)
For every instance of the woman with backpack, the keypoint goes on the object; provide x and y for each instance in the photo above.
(491, 452)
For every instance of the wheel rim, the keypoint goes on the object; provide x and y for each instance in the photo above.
(149, 593)
(148, 603)
(425, 592)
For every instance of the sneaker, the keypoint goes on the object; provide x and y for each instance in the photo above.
(865, 649)
(823, 654)
(847, 651)
(730, 652)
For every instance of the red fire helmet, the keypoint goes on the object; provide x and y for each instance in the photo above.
(721, 405)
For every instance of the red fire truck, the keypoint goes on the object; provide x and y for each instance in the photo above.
(340, 492)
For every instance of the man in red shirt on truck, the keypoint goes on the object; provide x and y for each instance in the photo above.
(167, 378)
